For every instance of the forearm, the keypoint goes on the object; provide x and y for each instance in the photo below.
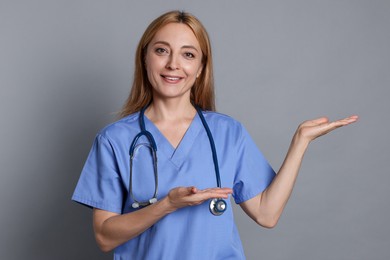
(275, 197)
(267, 207)
(112, 230)
(117, 229)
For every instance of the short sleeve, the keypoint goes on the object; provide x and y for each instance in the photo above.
(100, 185)
(253, 172)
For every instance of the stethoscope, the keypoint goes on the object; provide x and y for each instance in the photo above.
(217, 205)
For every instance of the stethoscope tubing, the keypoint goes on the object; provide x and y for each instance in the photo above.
(212, 145)
(153, 148)
(217, 206)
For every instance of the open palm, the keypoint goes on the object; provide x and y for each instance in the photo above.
(315, 128)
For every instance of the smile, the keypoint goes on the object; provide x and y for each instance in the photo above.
(171, 78)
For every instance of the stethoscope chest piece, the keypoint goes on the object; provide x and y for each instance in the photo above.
(217, 206)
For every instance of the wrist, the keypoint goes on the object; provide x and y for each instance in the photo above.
(167, 205)
(300, 142)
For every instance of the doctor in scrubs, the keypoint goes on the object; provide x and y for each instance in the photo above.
(174, 75)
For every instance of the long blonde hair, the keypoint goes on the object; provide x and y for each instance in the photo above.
(202, 93)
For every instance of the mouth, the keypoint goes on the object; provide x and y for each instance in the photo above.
(171, 79)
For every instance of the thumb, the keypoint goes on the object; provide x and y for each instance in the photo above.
(193, 190)
(185, 191)
(318, 121)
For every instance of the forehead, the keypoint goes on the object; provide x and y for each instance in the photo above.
(176, 34)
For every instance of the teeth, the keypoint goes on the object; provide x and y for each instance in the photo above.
(171, 78)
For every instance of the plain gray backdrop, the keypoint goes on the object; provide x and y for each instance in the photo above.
(66, 68)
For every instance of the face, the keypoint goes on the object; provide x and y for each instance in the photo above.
(173, 61)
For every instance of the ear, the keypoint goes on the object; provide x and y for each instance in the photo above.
(144, 61)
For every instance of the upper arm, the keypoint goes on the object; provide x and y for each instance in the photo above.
(100, 184)
(252, 208)
(253, 173)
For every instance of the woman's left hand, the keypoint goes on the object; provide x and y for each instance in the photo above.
(312, 129)
(267, 207)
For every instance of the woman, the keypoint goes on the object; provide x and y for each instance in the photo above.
(171, 95)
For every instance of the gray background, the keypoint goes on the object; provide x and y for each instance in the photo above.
(66, 68)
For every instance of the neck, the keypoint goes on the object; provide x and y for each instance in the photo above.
(170, 111)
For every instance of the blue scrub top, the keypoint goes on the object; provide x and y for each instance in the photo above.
(190, 232)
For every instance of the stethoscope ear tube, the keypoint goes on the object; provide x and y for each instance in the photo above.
(138, 204)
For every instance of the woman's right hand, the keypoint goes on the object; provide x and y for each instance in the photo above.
(191, 196)
(113, 229)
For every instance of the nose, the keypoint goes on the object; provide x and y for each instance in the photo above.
(173, 62)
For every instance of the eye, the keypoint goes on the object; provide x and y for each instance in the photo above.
(161, 50)
(189, 55)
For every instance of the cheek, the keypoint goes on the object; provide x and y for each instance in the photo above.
(153, 68)
(150, 64)
(192, 70)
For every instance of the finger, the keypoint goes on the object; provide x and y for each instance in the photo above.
(317, 121)
(218, 190)
(349, 120)
(194, 190)
(185, 191)
(225, 190)
(344, 121)
(215, 193)
(201, 197)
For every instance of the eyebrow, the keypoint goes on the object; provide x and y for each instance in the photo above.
(182, 47)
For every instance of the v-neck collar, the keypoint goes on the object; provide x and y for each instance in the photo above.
(178, 155)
